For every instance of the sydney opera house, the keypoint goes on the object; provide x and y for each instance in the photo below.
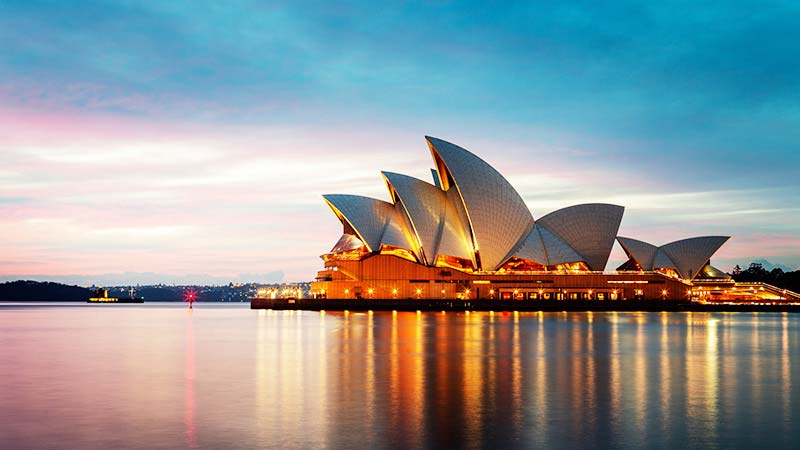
(470, 235)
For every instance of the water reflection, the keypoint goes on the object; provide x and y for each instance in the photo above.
(188, 420)
(565, 381)
(114, 378)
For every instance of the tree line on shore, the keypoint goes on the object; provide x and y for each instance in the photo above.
(776, 277)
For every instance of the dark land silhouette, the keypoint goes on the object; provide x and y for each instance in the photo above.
(26, 290)
(776, 277)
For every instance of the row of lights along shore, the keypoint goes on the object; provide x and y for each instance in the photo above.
(466, 293)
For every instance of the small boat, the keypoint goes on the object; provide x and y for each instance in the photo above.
(101, 296)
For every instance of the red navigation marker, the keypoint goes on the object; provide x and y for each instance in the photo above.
(191, 297)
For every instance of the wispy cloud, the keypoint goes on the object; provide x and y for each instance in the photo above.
(196, 136)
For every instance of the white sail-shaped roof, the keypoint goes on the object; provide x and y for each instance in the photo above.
(346, 242)
(589, 229)
(454, 236)
(398, 232)
(663, 261)
(533, 248)
(686, 256)
(433, 219)
(497, 215)
(367, 216)
(558, 251)
(710, 271)
(641, 252)
(547, 248)
(690, 255)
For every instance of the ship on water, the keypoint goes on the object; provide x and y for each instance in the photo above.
(101, 296)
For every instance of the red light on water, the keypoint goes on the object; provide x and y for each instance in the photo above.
(190, 296)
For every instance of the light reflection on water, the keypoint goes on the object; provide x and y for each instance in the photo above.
(160, 376)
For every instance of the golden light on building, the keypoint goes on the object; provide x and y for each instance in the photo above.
(430, 233)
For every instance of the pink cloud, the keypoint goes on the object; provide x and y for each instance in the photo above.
(111, 194)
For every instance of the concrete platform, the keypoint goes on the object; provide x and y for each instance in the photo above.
(507, 305)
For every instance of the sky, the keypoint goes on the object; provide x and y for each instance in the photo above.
(195, 138)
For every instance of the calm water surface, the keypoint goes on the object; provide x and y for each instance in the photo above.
(162, 377)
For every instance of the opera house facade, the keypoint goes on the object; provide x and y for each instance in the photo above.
(470, 235)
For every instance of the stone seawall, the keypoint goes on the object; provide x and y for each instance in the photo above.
(507, 305)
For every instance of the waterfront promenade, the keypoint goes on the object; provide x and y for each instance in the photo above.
(511, 305)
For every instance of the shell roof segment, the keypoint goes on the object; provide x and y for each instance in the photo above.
(533, 248)
(642, 252)
(434, 219)
(497, 215)
(398, 232)
(346, 242)
(686, 256)
(367, 216)
(690, 255)
(589, 229)
(558, 251)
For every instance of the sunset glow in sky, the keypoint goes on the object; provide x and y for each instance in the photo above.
(198, 137)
